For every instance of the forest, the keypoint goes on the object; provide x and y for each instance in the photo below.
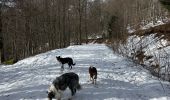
(29, 27)
(122, 45)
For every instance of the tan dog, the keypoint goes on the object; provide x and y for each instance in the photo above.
(93, 74)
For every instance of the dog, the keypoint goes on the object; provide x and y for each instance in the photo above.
(67, 60)
(93, 74)
(60, 84)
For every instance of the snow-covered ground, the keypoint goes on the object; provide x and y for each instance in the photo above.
(144, 26)
(157, 48)
(118, 77)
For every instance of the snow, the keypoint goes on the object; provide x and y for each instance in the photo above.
(151, 45)
(118, 77)
(152, 24)
(131, 29)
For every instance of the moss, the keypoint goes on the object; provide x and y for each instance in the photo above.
(166, 4)
(9, 62)
(167, 7)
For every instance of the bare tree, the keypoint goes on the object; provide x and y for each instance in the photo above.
(34, 26)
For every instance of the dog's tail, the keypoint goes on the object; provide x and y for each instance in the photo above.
(79, 87)
(74, 64)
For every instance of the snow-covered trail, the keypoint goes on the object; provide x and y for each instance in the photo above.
(118, 78)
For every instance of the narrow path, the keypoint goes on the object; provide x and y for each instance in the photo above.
(118, 78)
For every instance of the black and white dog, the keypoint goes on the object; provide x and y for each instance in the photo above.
(93, 74)
(67, 60)
(60, 84)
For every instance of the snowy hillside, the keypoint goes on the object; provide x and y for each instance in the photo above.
(118, 77)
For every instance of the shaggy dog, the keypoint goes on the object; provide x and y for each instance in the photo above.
(67, 60)
(93, 74)
(60, 84)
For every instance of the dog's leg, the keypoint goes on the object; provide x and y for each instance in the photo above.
(95, 81)
(73, 91)
(58, 98)
(91, 77)
(62, 67)
(58, 95)
(72, 88)
(70, 67)
(70, 98)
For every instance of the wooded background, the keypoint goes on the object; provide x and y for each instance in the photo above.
(29, 27)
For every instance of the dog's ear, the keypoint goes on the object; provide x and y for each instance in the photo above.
(58, 57)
